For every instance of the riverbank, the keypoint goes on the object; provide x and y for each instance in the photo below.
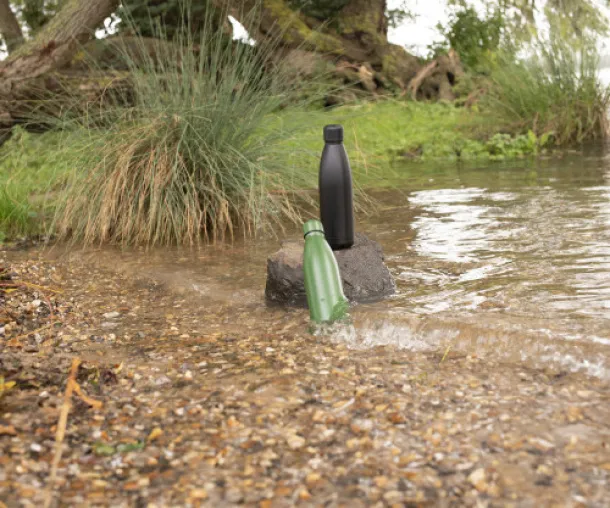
(203, 402)
(34, 168)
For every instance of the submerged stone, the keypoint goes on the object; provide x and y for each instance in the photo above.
(364, 274)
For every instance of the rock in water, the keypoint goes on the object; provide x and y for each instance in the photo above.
(365, 276)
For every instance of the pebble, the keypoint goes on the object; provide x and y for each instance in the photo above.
(478, 479)
(234, 495)
(199, 494)
(162, 380)
(112, 315)
(296, 442)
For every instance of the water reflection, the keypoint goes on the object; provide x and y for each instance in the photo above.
(511, 261)
(544, 248)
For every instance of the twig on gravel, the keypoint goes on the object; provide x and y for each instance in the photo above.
(29, 285)
(71, 387)
(50, 305)
(344, 406)
(38, 330)
(61, 430)
(446, 353)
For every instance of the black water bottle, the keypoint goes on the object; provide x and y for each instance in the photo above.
(336, 197)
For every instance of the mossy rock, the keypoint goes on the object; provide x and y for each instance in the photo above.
(364, 275)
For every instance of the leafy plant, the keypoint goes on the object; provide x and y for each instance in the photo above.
(474, 38)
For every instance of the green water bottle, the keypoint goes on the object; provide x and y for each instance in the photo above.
(325, 297)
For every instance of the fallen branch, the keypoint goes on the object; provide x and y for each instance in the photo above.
(474, 97)
(419, 78)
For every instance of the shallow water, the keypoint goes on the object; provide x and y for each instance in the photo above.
(511, 261)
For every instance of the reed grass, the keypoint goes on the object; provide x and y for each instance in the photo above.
(554, 93)
(197, 157)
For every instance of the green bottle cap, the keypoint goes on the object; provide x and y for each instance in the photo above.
(312, 225)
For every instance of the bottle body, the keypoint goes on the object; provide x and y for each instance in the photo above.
(323, 287)
(336, 195)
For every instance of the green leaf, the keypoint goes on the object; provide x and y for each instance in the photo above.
(130, 447)
(103, 449)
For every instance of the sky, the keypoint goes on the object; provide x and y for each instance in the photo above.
(417, 35)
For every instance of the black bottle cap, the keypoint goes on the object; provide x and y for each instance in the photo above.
(333, 134)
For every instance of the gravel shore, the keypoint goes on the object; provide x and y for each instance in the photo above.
(178, 405)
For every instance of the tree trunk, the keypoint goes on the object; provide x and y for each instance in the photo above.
(26, 76)
(354, 38)
(9, 27)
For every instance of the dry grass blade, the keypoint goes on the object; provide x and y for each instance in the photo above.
(16, 285)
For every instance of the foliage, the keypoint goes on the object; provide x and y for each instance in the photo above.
(575, 21)
(398, 16)
(34, 14)
(572, 20)
(196, 156)
(382, 132)
(554, 92)
(474, 38)
(34, 168)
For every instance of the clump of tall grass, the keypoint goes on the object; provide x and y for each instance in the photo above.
(554, 93)
(198, 155)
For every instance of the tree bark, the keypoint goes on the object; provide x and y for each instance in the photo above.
(9, 27)
(26, 76)
(355, 39)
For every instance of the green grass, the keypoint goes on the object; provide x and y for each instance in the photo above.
(29, 174)
(380, 133)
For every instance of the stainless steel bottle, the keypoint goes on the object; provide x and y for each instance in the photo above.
(335, 187)
(325, 297)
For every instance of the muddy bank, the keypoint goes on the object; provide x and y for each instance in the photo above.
(201, 405)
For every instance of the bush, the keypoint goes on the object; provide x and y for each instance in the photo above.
(199, 155)
(474, 38)
(556, 92)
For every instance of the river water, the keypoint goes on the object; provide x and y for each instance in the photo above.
(511, 261)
